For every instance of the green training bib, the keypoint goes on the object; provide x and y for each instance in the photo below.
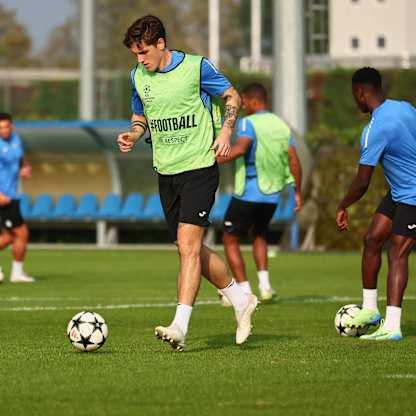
(181, 127)
(271, 158)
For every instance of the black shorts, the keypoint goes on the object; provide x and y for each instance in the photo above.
(243, 216)
(402, 215)
(188, 197)
(10, 215)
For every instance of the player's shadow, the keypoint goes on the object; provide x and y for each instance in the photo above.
(218, 342)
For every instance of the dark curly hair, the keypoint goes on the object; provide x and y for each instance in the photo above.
(148, 29)
(367, 76)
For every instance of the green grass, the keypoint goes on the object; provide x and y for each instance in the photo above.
(293, 364)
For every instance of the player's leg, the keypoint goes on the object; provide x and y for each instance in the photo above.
(237, 222)
(19, 248)
(170, 200)
(402, 241)
(235, 260)
(197, 199)
(16, 226)
(262, 217)
(6, 238)
(215, 270)
(244, 304)
(378, 233)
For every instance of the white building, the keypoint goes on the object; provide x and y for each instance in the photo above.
(353, 33)
(376, 32)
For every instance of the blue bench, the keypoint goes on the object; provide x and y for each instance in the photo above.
(133, 207)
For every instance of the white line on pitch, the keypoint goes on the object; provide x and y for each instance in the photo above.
(401, 376)
(294, 300)
(99, 306)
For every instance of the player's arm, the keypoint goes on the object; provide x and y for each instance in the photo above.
(239, 148)
(232, 101)
(296, 170)
(357, 189)
(25, 168)
(127, 140)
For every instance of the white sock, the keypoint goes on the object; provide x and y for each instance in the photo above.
(264, 283)
(246, 287)
(236, 296)
(370, 299)
(182, 317)
(17, 268)
(393, 316)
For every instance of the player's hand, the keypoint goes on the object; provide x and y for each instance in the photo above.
(26, 171)
(126, 141)
(298, 201)
(222, 146)
(342, 219)
(4, 199)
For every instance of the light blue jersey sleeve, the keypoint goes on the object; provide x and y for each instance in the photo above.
(136, 102)
(212, 81)
(245, 129)
(374, 140)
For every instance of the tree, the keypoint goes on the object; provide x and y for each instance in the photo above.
(15, 43)
(62, 47)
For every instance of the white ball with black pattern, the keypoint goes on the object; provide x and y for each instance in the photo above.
(343, 316)
(87, 331)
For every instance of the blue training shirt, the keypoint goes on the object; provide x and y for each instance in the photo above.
(213, 83)
(252, 192)
(11, 153)
(390, 138)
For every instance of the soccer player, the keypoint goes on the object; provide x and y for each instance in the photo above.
(389, 138)
(266, 161)
(172, 93)
(14, 229)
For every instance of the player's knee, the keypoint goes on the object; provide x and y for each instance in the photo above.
(7, 239)
(229, 239)
(22, 233)
(373, 242)
(189, 249)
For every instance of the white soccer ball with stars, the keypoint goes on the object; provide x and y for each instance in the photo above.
(87, 331)
(342, 318)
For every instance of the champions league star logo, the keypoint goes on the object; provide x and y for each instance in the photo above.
(146, 89)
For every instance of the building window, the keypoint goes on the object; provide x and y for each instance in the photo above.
(381, 42)
(355, 43)
(316, 27)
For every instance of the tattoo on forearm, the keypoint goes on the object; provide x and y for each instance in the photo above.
(230, 115)
(136, 124)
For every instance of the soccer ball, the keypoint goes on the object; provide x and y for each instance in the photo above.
(343, 316)
(87, 331)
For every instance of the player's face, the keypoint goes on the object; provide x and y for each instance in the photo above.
(248, 104)
(360, 98)
(5, 129)
(149, 55)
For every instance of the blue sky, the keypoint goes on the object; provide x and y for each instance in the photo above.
(40, 16)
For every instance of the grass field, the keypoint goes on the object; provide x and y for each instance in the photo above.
(294, 363)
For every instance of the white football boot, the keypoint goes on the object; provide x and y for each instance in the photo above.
(172, 334)
(1, 275)
(224, 300)
(267, 294)
(244, 320)
(23, 278)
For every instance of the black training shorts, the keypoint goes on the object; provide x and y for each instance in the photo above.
(188, 197)
(243, 216)
(10, 215)
(402, 215)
